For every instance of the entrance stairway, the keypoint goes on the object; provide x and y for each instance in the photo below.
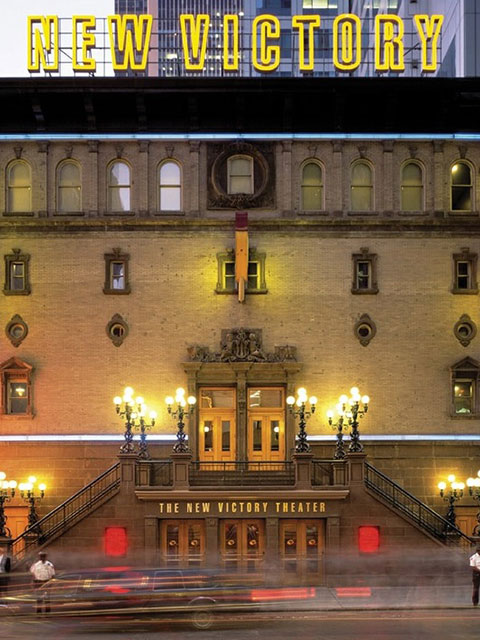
(413, 509)
(67, 514)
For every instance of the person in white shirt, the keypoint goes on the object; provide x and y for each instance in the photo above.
(475, 564)
(42, 571)
(4, 570)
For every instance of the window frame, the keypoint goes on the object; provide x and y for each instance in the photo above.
(371, 186)
(61, 165)
(16, 257)
(240, 156)
(465, 256)
(14, 371)
(467, 370)
(160, 186)
(8, 187)
(228, 257)
(471, 186)
(110, 187)
(421, 186)
(321, 186)
(110, 259)
(371, 259)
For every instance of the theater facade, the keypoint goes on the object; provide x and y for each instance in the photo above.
(242, 240)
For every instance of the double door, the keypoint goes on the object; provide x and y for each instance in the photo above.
(182, 543)
(217, 425)
(242, 544)
(266, 424)
(302, 548)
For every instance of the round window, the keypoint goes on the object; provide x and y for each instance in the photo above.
(17, 331)
(465, 330)
(117, 331)
(364, 329)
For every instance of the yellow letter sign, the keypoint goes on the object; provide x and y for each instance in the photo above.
(392, 44)
(130, 28)
(347, 42)
(269, 54)
(429, 30)
(39, 48)
(306, 24)
(193, 51)
(83, 62)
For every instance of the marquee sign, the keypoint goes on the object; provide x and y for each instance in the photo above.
(240, 508)
(131, 38)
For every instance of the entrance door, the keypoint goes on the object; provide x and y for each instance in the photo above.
(302, 548)
(182, 543)
(216, 439)
(242, 544)
(266, 424)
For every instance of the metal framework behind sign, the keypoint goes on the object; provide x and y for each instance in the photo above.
(166, 55)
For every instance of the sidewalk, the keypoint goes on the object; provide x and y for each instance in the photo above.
(424, 597)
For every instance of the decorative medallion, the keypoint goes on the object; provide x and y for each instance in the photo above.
(16, 330)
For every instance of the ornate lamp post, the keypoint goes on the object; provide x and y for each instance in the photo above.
(7, 491)
(179, 413)
(303, 415)
(454, 493)
(32, 494)
(349, 410)
(473, 485)
(134, 412)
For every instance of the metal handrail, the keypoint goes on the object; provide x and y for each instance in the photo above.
(419, 512)
(242, 471)
(324, 466)
(66, 513)
(160, 469)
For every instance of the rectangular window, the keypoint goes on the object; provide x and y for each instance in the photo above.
(17, 401)
(463, 396)
(364, 272)
(16, 274)
(465, 272)
(116, 273)
(255, 276)
(230, 276)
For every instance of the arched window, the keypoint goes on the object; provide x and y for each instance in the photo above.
(169, 187)
(312, 187)
(361, 187)
(240, 175)
(69, 187)
(461, 187)
(19, 187)
(119, 185)
(412, 187)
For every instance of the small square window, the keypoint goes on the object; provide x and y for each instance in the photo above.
(16, 274)
(226, 273)
(364, 272)
(116, 273)
(465, 272)
(465, 377)
(16, 391)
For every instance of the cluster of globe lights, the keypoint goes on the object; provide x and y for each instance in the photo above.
(454, 485)
(139, 402)
(180, 399)
(7, 484)
(27, 487)
(345, 401)
(474, 482)
(302, 398)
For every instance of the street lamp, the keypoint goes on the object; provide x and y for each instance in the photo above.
(349, 410)
(7, 491)
(28, 491)
(134, 412)
(179, 413)
(473, 485)
(450, 496)
(303, 415)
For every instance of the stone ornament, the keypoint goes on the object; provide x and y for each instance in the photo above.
(365, 330)
(16, 330)
(465, 330)
(117, 329)
(242, 345)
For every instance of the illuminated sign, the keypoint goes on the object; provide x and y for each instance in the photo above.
(242, 507)
(130, 41)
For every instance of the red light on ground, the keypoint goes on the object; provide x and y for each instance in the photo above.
(368, 539)
(115, 541)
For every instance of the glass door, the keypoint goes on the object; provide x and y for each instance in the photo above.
(183, 542)
(266, 424)
(242, 544)
(216, 438)
(302, 549)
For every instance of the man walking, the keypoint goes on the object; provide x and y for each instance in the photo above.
(475, 564)
(4, 570)
(42, 571)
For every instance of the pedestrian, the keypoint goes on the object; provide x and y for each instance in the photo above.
(475, 564)
(4, 570)
(42, 571)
